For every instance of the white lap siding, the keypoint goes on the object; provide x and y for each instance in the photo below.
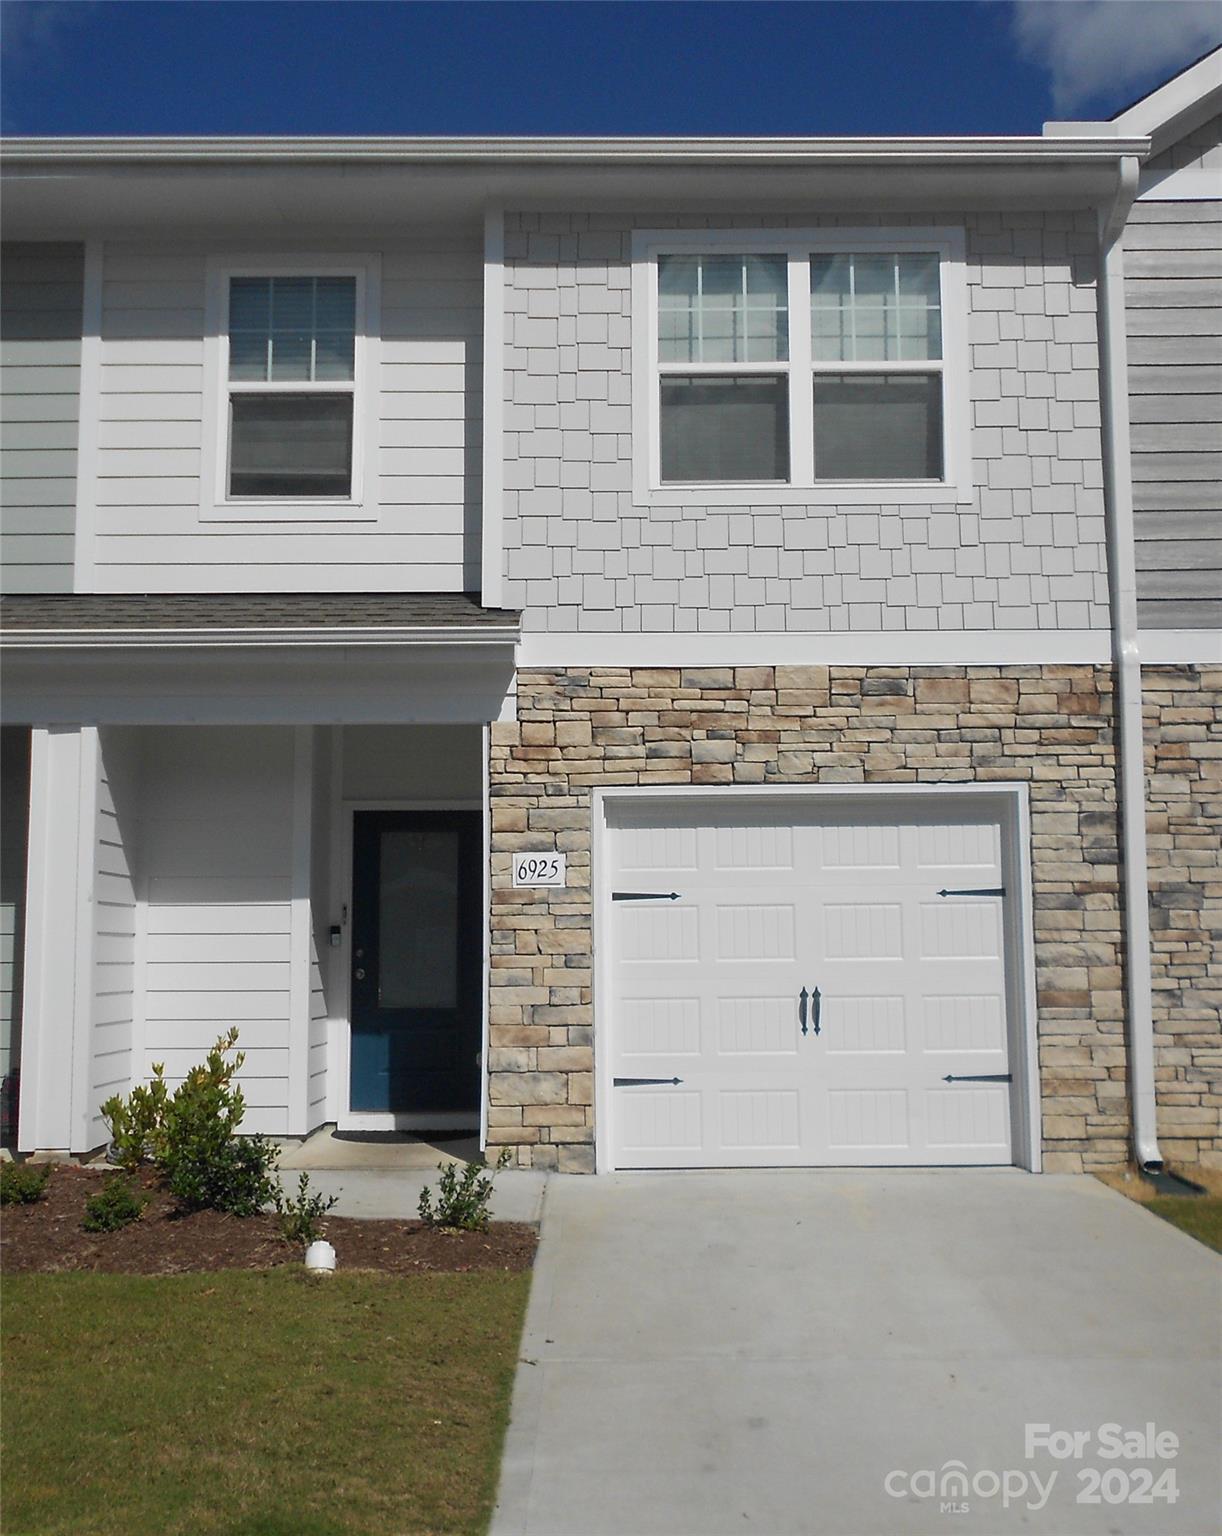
(115, 852)
(218, 868)
(423, 534)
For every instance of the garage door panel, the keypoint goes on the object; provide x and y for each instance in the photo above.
(851, 846)
(961, 930)
(660, 1026)
(968, 1023)
(863, 1026)
(757, 1026)
(767, 846)
(650, 932)
(649, 848)
(760, 1119)
(968, 1116)
(863, 1119)
(755, 931)
(657, 1122)
(956, 846)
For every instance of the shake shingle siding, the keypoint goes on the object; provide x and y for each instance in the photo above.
(1173, 293)
(41, 290)
(1027, 553)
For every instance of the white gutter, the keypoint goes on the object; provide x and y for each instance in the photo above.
(1122, 578)
(1028, 149)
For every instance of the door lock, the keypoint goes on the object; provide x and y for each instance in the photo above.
(359, 973)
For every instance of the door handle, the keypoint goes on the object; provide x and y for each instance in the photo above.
(802, 996)
(818, 1000)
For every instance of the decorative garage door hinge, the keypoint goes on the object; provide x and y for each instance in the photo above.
(642, 1082)
(988, 890)
(979, 1077)
(644, 895)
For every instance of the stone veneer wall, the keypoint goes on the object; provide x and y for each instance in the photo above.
(578, 728)
(1183, 729)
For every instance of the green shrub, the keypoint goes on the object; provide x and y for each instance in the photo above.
(137, 1123)
(115, 1205)
(462, 1200)
(192, 1136)
(23, 1183)
(301, 1215)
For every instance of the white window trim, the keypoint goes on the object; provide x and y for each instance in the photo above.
(797, 245)
(362, 504)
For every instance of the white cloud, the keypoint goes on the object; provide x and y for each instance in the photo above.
(1101, 51)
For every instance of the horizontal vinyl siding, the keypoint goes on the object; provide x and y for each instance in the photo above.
(217, 856)
(41, 291)
(114, 928)
(425, 534)
(1173, 296)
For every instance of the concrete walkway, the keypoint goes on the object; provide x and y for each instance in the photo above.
(381, 1176)
(780, 1352)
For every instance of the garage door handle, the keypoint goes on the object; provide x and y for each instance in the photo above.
(818, 1008)
(802, 996)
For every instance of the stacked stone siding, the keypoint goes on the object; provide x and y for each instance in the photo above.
(1183, 729)
(1025, 553)
(1050, 727)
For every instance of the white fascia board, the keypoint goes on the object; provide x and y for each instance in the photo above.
(884, 648)
(258, 639)
(1089, 145)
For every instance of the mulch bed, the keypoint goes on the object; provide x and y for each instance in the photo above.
(47, 1238)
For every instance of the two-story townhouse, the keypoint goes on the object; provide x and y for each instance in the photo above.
(632, 644)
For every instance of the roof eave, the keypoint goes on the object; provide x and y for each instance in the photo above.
(1101, 142)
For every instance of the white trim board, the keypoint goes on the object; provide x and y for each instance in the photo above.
(1012, 803)
(89, 405)
(492, 530)
(882, 648)
(1180, 647)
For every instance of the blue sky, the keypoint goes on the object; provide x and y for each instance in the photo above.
(595, 67)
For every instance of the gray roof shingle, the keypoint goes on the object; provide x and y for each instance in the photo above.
(140, 612)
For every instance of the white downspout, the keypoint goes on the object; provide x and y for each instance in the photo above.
(1122, 579)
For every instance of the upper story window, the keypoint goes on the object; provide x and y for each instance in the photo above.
(815, 366)
(293, 383)
(292, 350)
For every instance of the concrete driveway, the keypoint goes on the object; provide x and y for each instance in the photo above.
(803, 1354)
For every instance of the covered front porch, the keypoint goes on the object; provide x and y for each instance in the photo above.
(317, 883)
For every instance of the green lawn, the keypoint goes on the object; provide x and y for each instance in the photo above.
(255, 1403)
(1199, 1216)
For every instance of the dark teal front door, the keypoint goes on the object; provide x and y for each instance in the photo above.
(416, 1019)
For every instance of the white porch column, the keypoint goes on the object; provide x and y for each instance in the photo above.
(53, 1111)
(300, 934)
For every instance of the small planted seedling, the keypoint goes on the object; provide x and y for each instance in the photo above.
(117, 1204)
(462, 1200)
(300, 1216)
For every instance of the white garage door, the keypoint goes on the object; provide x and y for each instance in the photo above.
(822, 987)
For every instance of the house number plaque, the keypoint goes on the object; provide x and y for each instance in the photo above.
(538, 869)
